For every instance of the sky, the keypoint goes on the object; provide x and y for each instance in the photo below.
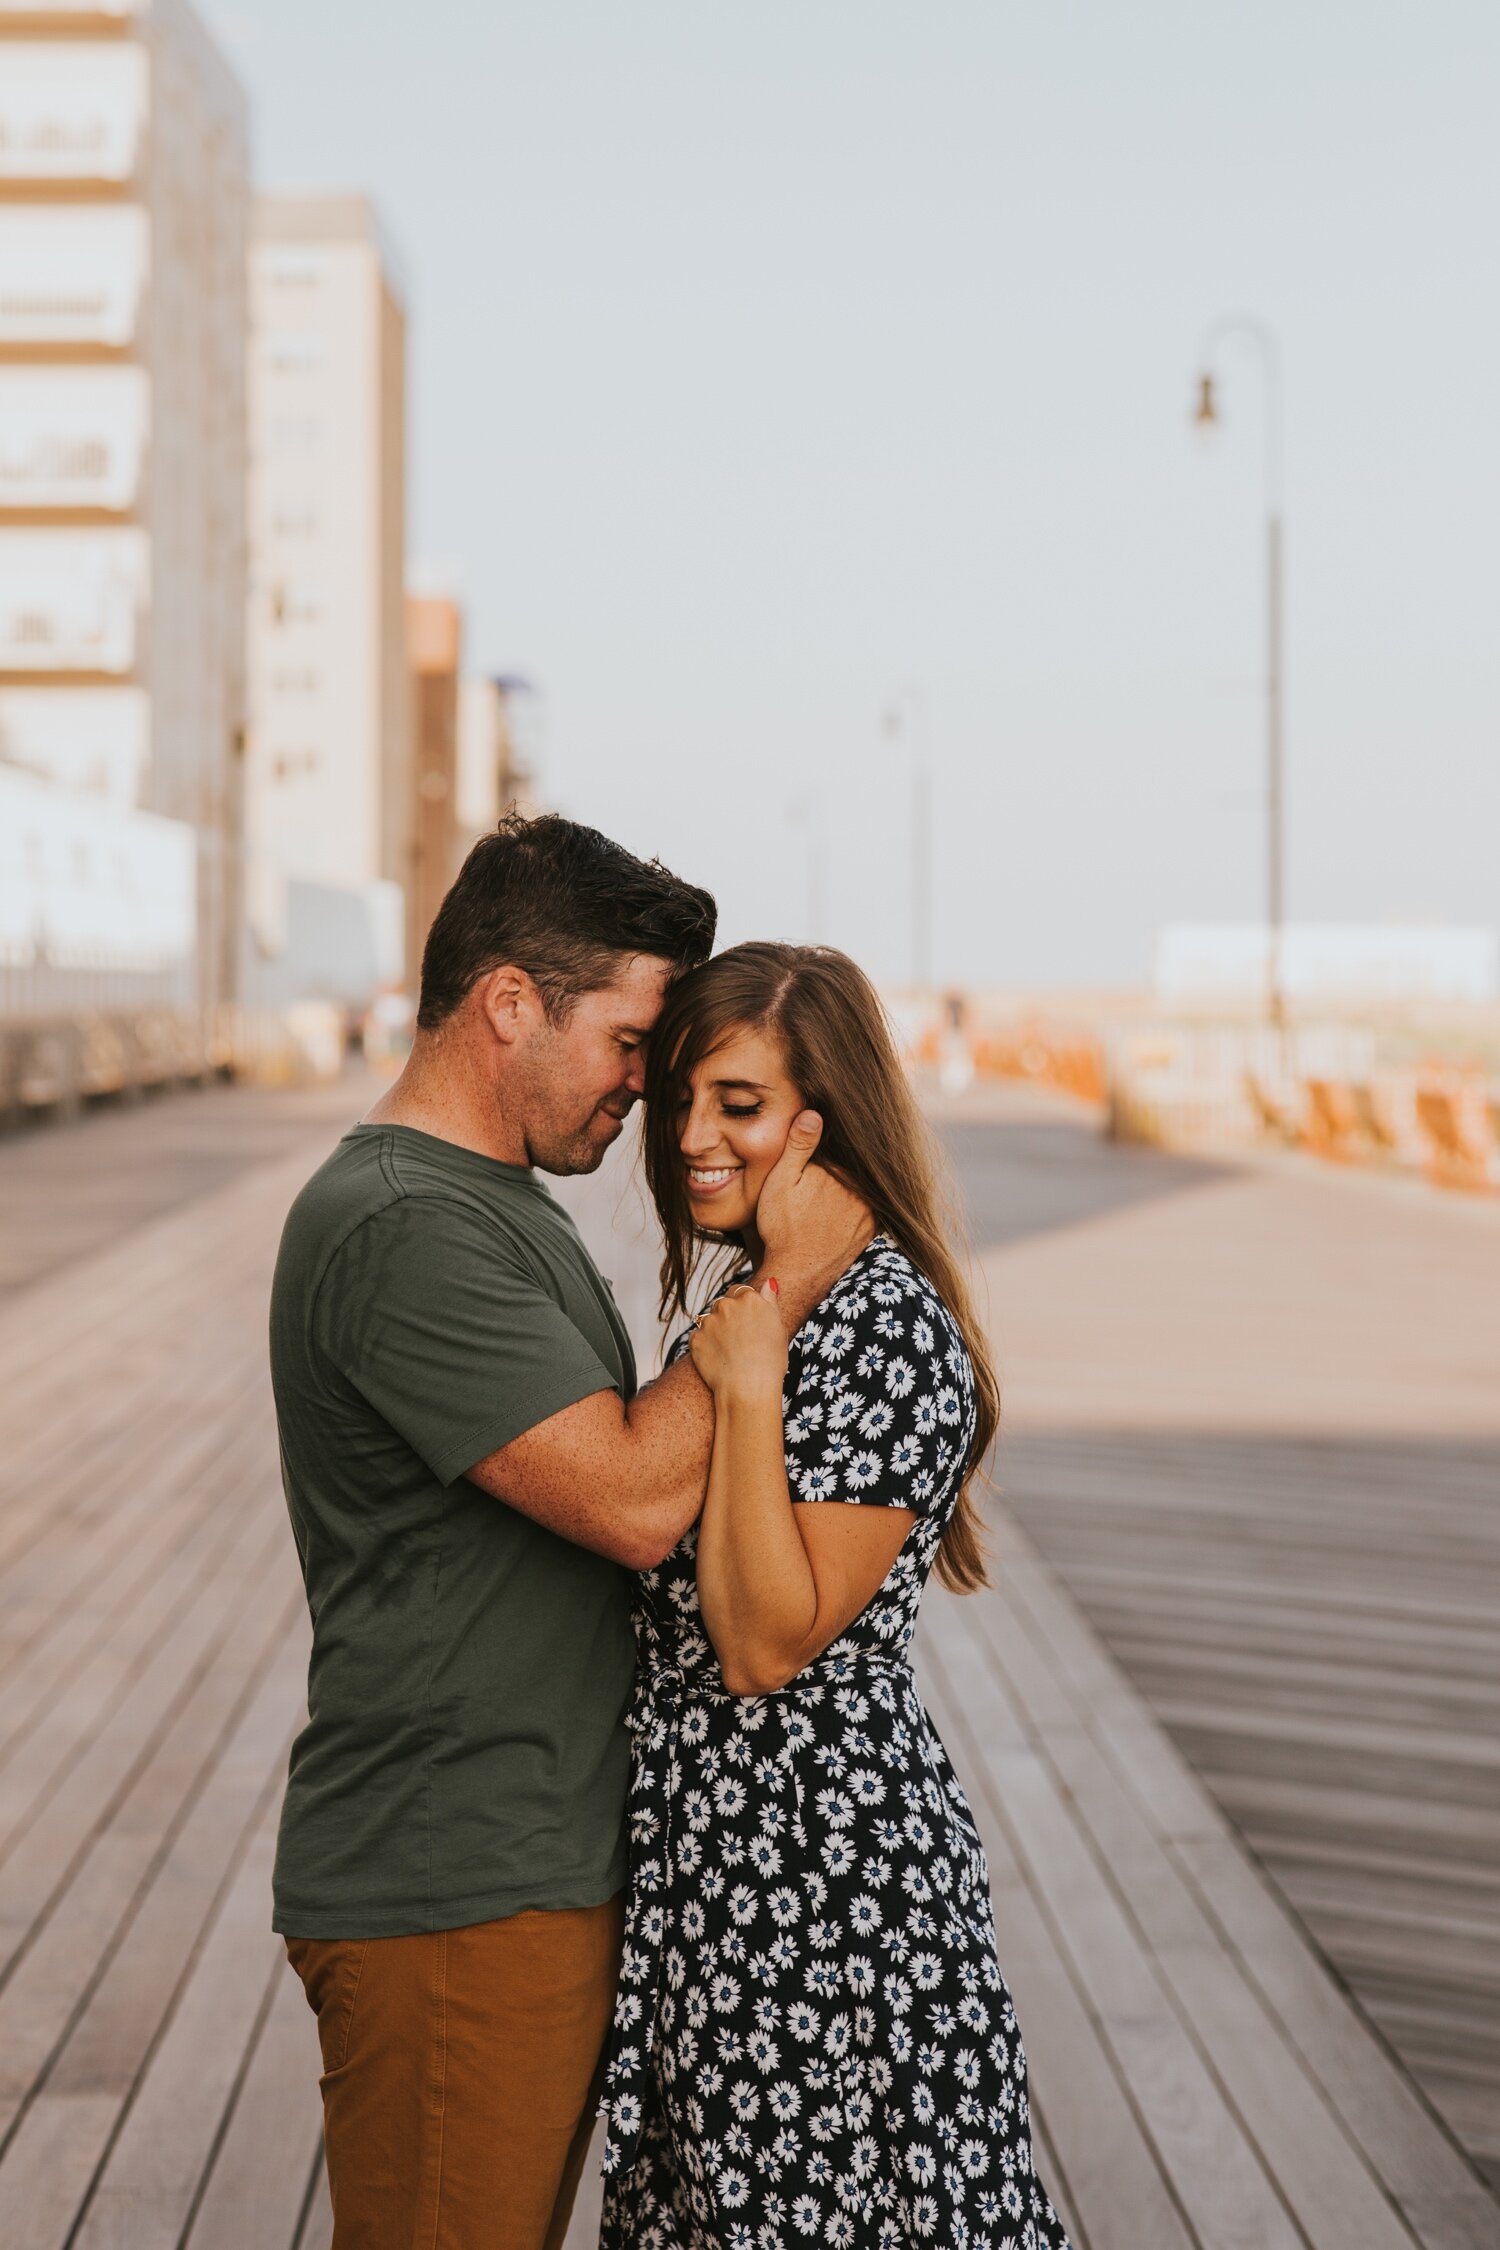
(776, 366)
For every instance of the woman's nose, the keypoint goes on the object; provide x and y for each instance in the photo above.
(698, 1137)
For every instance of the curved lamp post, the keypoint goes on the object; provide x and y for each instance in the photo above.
(1242, 326)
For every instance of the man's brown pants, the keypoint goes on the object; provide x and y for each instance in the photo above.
(460, 2075)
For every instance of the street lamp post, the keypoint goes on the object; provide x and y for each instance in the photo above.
(905, 718)
(1257, 332)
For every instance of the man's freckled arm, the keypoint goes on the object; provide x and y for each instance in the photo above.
(623, 1480)
(626, 1481)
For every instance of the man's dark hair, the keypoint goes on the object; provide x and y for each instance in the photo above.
(563, 903)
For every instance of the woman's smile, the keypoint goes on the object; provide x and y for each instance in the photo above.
(709, 1179)
(733, 1117)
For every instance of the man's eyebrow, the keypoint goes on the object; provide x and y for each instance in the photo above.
(631, 1031)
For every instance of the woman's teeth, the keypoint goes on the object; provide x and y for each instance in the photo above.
(711, 1179)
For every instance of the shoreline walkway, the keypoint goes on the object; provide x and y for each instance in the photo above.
(1254, 1427)
(1202, 2078)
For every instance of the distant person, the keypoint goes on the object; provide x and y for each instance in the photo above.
(813, 2042)
(471, 1475)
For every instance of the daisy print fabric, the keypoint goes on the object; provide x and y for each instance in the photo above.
(813, 2043)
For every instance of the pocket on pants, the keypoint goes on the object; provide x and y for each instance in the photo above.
(330, 1969)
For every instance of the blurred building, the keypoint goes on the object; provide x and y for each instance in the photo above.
(329, 789)
(495, 768)
(1327, 964)
(434, 639)
(124, 195)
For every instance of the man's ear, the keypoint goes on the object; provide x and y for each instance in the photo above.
(508, 1001)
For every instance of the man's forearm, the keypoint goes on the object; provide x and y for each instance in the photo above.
(670, 1427)
(628, 1480)
(624, 1480)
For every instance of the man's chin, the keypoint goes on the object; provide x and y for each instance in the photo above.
(587, 1151)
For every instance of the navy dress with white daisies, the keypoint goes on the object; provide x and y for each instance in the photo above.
(813, 2043)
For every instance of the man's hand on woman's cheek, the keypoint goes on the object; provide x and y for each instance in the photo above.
(811, 1225)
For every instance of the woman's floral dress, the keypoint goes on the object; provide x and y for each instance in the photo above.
(813, 2043)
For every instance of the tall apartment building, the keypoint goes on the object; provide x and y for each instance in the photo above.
(434, 635)
(124, 195)
(495, 771)
(329, 797)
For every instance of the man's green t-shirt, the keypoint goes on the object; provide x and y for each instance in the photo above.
(464, 1756)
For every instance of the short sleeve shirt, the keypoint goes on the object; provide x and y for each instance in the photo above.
(464, 1756)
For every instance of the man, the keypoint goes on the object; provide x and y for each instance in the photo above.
(468, 1465)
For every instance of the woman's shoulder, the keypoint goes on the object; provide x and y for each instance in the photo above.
(884, 1292)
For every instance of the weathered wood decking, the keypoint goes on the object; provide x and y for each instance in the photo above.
(155, 2059)
(1256, 1429)
(1202, 2078)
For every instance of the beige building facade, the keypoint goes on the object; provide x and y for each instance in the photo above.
(124, 200)
(434, 640)
(329, 793)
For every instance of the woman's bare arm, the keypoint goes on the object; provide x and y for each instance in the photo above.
(777, 1581)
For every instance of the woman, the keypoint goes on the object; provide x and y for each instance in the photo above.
(813, 2042)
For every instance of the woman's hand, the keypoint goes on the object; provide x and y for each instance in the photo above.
(739, 1346)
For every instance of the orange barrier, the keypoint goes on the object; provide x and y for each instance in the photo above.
(1275, 1115)
(1333, 1126)
(1377, 1119)
(1453, 1113)
(1047, 1055)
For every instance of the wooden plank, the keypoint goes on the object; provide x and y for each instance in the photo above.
(152, 1659)
(1320, 2171)
(154, 2173)
(1115, 2181)
(1340, 1720)
(122, 1495)
(65, 2132)
(1051, 2169)
(1415, 2159)
(226, 1796)
(86, 1663)
(76, 1919)
(115, 1174)
(1444, 2203)
(250, 2203)
(1218, 2176)
(87, 1756)
(317, 2221)
(49, 1490)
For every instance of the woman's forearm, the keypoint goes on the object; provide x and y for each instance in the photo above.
(756, 1587)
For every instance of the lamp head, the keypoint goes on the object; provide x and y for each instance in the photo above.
(1207, 413)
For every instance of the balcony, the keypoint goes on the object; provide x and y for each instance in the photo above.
(72, 438)
(74, 11)
(70, 601)
(71, 114)
(72, 278)
(92, 741)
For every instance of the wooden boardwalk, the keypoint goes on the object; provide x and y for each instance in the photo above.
(1202, 2078)
(1255, 1429)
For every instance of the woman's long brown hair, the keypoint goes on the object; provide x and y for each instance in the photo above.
(836, 1042)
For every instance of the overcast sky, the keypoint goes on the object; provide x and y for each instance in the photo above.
(771, 360)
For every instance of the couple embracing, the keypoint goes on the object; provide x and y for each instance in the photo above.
(616, 1789)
